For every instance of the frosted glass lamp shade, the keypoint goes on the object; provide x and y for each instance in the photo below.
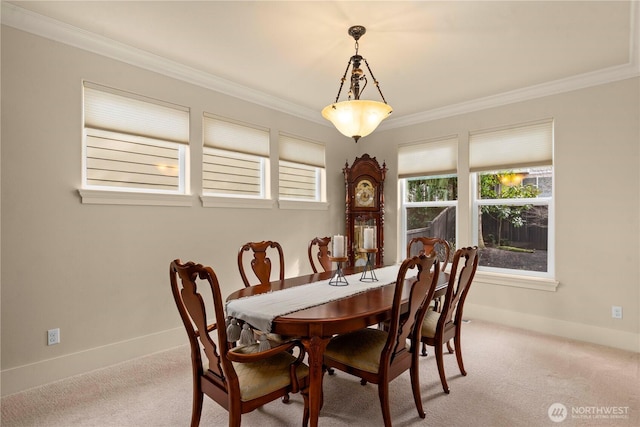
(356, 118)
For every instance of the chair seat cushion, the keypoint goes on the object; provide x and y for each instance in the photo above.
(360, 349)
(260, 378)
(430, 323)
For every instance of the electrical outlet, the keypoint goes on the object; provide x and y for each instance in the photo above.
(53, 336)
(616, 312)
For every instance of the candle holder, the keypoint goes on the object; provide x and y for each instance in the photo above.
(338, 279)
(368, 274)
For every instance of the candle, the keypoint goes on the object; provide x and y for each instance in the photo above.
(368, 238)
(338, 246)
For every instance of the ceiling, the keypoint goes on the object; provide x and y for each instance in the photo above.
(428, 56)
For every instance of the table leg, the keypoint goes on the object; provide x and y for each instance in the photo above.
(315, 347)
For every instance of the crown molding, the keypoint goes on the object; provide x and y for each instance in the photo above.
(581, 81)
(52, 29)
(43, 26)
(607, 75)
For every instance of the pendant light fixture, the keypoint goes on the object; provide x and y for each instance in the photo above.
(354, 117)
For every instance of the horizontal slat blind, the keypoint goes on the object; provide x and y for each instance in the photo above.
(229, 173)
(301, 163)
(301, 151)
(529, 144)
(236, 137)
(436, 157)
(234, 158)
(297, 182)
(111, 109)
(130, 162)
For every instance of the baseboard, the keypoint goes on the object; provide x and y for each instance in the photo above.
(578, 331)
(47, 371)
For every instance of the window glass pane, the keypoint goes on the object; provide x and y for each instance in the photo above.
(514, 237)
(129, 162)
(432, 189)
(228, 173)
(298, 182)
(432, 222)
(514, 218)
(516, 183)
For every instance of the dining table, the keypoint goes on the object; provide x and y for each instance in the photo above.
(316, 324)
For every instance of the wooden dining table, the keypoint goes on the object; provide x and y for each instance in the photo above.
(314, 326)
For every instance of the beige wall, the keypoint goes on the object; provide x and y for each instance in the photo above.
(100, 272)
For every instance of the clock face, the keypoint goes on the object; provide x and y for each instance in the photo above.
(365, 194)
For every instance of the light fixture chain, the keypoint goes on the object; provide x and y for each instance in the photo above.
(344, 77)
(375, 81)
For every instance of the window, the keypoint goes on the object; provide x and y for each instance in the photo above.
(302, 170)
(133, 143)
(235, 159)
(513, 200)
(429, 190)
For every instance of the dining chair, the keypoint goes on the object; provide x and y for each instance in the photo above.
(440, 328)
(380, 355)
(239, 379)
(261, 263)
(428, 244)
(320, 245)
(421, 245)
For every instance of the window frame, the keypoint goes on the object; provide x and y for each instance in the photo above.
(123, 195)
(467, 205)
(547, 201)
(261, 153)
(291, 153)
(405, 205)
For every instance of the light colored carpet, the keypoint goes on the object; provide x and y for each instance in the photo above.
(514, 377)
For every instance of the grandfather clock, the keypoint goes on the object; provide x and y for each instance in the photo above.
(364, 182)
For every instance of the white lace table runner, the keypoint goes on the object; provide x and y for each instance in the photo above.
(260, 310)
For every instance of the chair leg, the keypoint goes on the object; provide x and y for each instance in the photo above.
(440, 362)
(196, 410)
(285, 398)
(459, 354)
(424, 350)
(305, 412)
(449, 347)
(415, 384)
(383, 394)
(234, 419)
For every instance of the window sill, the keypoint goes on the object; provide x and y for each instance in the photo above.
(300, 205)
(235, 202)
(527, 282)
(106, 197)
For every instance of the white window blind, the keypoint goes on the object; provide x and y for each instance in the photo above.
(438, 157)
(132, 142)
(512, 147)
(234, 158)
(235, 137)
(301, 151)
(301, 169)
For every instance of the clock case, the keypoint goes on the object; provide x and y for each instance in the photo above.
(364, 168)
